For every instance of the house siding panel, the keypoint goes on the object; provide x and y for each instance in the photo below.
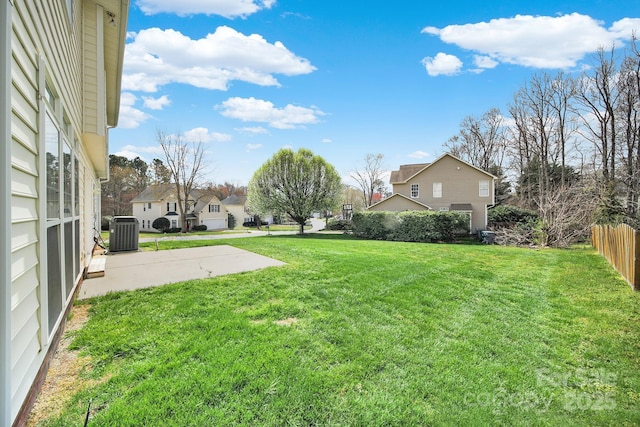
(29, 39)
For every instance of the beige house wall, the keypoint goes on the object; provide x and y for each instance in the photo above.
(459, 183)
(397, 204)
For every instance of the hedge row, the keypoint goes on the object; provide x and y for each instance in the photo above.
(410, 226)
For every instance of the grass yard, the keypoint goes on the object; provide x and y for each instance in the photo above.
(368, 333)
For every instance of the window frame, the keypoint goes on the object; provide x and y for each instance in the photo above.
(484, 192)
(414, 191)
(437, 190)
(60, 241)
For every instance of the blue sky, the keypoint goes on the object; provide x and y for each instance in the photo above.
(342, 78)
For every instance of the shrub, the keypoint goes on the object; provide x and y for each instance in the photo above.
(410, 226)
(508, 214)
(375, 225)
(105, 222)
(338, 224)
(200, 227)
(231, 221)
(161, 224)
(429, 226)
(253, 223)
(173, 230)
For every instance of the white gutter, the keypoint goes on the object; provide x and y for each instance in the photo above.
(6, 9)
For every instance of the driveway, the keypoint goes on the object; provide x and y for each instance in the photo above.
(135, 270)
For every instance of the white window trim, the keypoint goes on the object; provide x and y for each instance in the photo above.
(482, 191)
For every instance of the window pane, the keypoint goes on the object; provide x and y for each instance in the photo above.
(54, 273)
(484, 188)
(69, 275)
(66, 157)
(76, 251)
(437, 189)
(53, 168)
(76, 186)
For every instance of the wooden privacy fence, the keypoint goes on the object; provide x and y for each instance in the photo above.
(621, 246)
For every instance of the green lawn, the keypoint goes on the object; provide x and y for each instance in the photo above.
(274, 227)
(368, 333)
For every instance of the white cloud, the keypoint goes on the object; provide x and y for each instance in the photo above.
(130, 117)
(536, 41)
(327, 140)
(251, 147)
(419, 155)
(145, 153)
(257, 110)
(156, 103)
(158, 57)
(442, 64)
(226, 8)
(255, 130)
(203, 135)
(484, 61)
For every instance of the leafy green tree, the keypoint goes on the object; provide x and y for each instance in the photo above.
(297, 184)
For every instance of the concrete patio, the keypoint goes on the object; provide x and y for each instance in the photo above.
(135, 270)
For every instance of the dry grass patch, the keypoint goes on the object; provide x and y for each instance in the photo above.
(64, 377)
(286, 322)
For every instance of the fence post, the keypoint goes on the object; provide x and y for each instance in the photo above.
(635, 279)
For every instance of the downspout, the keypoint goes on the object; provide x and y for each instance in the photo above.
(6, 9)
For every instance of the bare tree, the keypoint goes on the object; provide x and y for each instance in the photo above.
(481, 141)
(598, 95)
(184, 160)
(369, 178)
(628, 110)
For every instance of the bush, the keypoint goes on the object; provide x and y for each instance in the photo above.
(375, 225)
(253, 223)
(508, 214)
(231, 221)
(105, 222)
(201, 227)
(161, 224)
(173, 230)
(338, 224)
(429, 226)
(410, 226)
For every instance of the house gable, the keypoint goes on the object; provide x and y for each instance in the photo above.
(398, 202)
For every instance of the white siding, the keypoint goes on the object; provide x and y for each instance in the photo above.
(40, 29)
(25, 330)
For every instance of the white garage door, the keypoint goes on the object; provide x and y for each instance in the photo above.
(214, 224)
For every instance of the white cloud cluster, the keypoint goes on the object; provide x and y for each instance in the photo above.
(145, 153)
(253, 130)
(130, 117)
(531, 41)
(156, 103)
(158, 57)
(257, 110)
(226, 8)
(442, 63)
(202, 134)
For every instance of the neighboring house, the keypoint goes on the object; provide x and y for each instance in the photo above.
(237, 206)
(60, 70)
(203, 208)
(447, 184)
